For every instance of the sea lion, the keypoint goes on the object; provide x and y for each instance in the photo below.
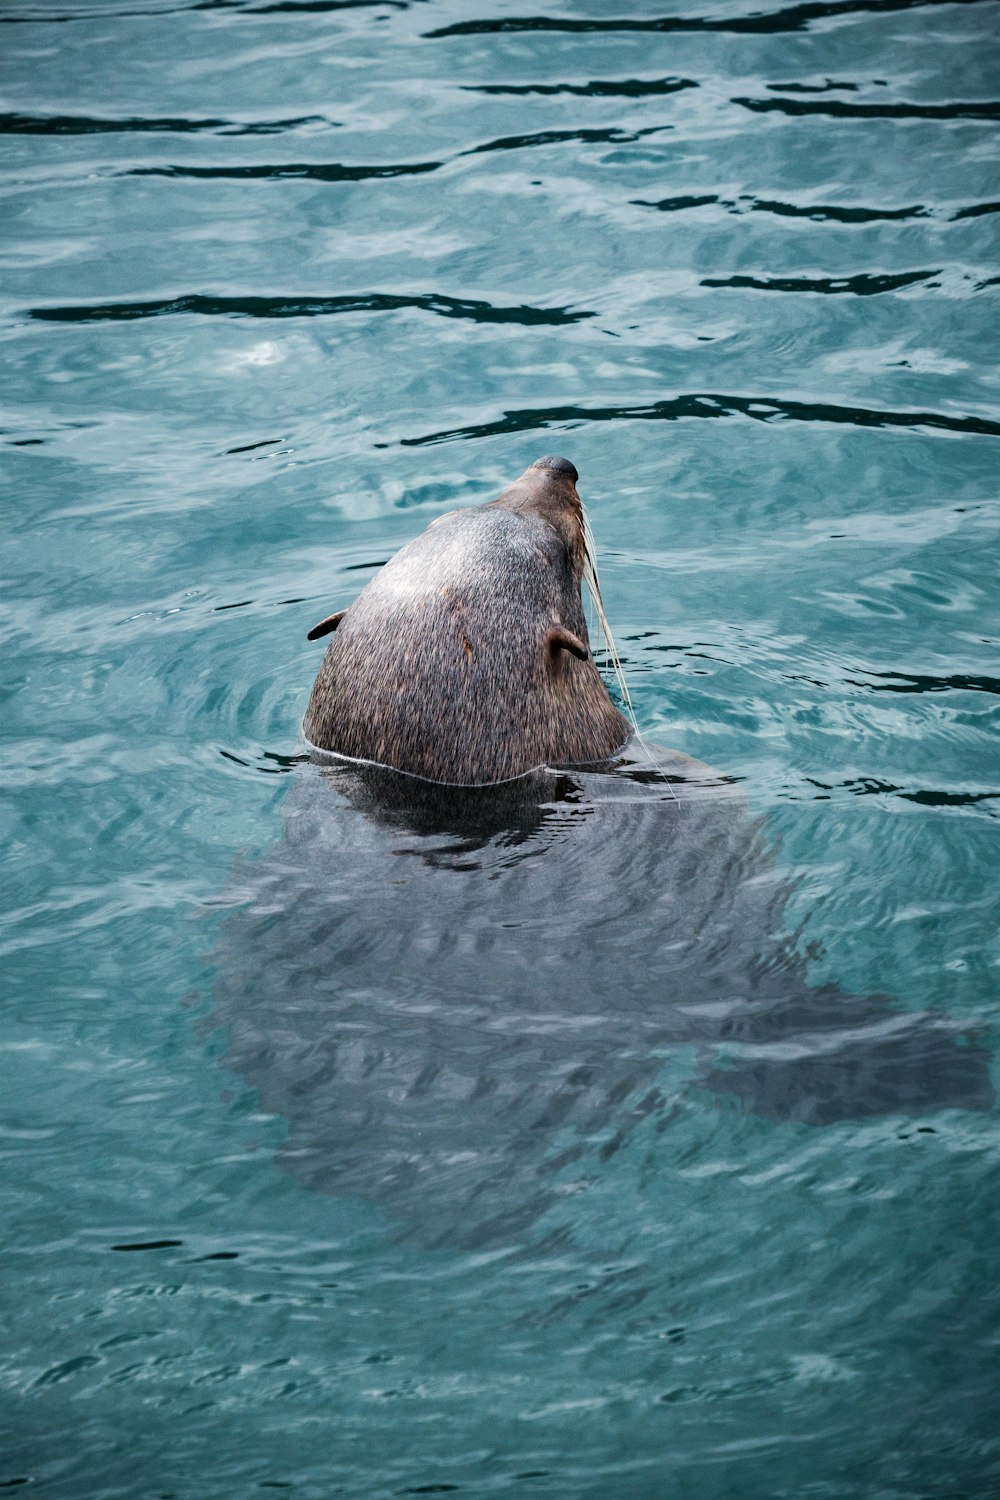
(466, 659)
(463, 1000)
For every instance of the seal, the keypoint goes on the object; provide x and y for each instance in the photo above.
(466, 660)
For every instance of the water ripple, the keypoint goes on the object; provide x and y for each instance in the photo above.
(286, 7)
(600, 88)
(344, 172)
(314, 171)
(864, 285)
(207, 305)
(813, 88)
(871, 786)
(819, 212)
(19, 124)
(788, 18)
(678, 408)
(908, 682)
(849, 109)
(975, 210)
(613, 135)
(233, 7)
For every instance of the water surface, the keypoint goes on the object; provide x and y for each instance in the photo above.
(282, 281)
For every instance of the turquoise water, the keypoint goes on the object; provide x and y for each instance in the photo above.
(283, 280)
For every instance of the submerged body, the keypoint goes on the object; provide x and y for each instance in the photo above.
(462, 1003)
(466, 659)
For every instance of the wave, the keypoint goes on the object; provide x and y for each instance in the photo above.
(276, 7)
(346, 172)
(975, 210)
(684, 200)
(832, 212)
(911, 682)
(813, 88)
(207, 305)
(679, 408)
(836, 213)
(250, 448)
(788, 18)
(599, 88)
(864, 285)
(233, 6)
(848, 109)
(871, 786)
(17, 124)
(277, 171)
(41, 18)
(608, 135)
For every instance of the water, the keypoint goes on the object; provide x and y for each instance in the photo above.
(281, 283)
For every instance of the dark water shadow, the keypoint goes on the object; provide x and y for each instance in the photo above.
(850, 109)
(462, 1002)
(863, 285)
(833, 213)
(709, 405)
(210, 306)
(611, 135)
(785, 18)
(23, 124)
(597, 88)
(308, 171)
(233, 7)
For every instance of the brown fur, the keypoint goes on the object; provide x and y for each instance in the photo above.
(466, 658)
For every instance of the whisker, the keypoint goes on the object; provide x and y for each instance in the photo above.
(592, 581)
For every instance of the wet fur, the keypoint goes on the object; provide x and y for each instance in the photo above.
(457, 662)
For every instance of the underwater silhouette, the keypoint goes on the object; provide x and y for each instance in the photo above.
(461, 1001)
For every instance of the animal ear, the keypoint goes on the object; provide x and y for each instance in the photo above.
(325, 626)
(557, 639)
